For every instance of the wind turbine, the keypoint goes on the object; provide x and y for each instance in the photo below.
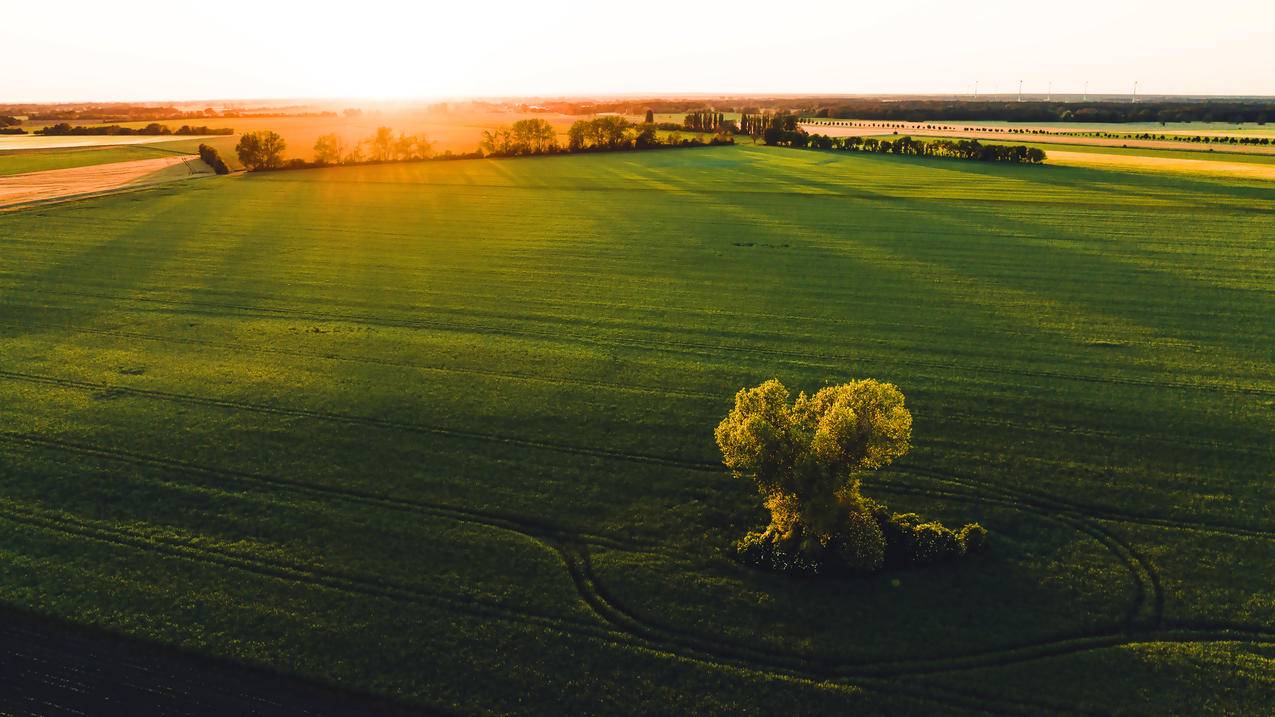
(1050, 96)
(1020, 90)
(1086, 90)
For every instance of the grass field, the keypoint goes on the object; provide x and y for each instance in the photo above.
(46, 159)
(443, 431)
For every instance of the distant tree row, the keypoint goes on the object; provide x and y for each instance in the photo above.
(263, 151)
(1206, 139)
(755, 124)
(1196, 138)
(154, 128)
(128, 112)
(970, 149)
(704, 121)
(7, 121)
(383, 146)
(602, 133)
(1036, 111)
(529, 136)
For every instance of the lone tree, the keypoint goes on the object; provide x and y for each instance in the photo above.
(650, 117)
(807, 459)
(261, 150)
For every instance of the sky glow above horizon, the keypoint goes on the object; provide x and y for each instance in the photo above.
(380, 50)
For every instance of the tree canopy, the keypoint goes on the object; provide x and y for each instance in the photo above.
(261, 150)
(805, 457)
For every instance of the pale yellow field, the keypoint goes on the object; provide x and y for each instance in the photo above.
(33, 141)
(851, 128)
(78, 181)
(1144, 163)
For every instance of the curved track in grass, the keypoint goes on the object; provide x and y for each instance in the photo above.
(616, 624)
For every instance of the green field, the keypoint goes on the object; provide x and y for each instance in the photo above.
(39, 160)
(443, 431)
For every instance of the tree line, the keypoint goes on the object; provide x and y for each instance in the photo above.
(382, 146)
(599, 134)
(970, 149)
(1206, 139)
(705, 121)
(154, 128)
(263, 150)
(1038, 111)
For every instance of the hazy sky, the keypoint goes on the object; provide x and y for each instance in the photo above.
(144, 50)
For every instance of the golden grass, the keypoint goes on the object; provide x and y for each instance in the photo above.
(1138, 162)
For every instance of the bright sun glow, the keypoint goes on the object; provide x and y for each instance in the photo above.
(402, 50)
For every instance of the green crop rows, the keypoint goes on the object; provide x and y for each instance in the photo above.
(443, 431)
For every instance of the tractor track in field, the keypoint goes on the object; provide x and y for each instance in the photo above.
(814, 358)
(115, 390)
(638, 388)
(520, 524)
(622, 633)
(555, 308)
(622, 626)
(553, 539)
(1052, 503)
(376, 361)
(613, 385)
(294, 573)
(188, 399)
(552, 536)
(558, 381)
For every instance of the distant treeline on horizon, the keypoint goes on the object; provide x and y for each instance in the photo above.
(154, 128)
(1259, 111)
(919, 109)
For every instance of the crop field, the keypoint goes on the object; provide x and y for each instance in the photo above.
(46, 159)
(1141, 159)
(442, 432)
(65, 184)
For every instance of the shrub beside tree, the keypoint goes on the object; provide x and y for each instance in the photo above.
(807, 459)
(212, 158)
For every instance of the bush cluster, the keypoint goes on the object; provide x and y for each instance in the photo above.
(869, 539)
(212, 158)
